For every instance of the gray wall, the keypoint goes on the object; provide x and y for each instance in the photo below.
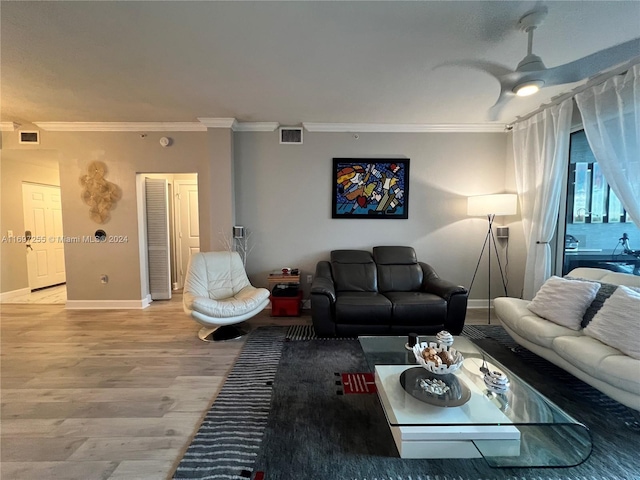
(284, 198)
(125, 154)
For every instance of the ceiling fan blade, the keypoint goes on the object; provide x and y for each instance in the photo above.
(593, 64)
(494, 112)
(494, 69)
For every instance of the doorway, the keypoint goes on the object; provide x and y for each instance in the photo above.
(180, 224)
(42, 209)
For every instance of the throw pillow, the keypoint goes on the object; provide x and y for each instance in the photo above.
(618, 322)
(605, 291)
(564, 301)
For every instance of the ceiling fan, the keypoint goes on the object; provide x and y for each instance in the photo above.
(531, 74)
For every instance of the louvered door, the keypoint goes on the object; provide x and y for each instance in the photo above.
(157, 207)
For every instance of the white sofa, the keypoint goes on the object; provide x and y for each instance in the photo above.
(601, 366)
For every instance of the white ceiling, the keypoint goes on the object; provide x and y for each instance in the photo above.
(287, 62)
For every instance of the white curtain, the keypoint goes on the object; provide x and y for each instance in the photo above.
(541, 150)
(611, 117)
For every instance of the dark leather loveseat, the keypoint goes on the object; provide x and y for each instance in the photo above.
(385, 293)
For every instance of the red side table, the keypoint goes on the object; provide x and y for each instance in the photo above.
(288, 306)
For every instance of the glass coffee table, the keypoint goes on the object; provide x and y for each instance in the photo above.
(519, 428)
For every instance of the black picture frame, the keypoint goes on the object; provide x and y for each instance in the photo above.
(370, 188)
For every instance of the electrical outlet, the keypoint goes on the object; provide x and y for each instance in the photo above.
(309, 278)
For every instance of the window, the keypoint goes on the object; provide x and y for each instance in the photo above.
(590, 198)
(595, 222)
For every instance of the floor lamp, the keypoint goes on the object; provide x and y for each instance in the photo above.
(490, 206)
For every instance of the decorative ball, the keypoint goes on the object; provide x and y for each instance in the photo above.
(445, 338)
(496, 382)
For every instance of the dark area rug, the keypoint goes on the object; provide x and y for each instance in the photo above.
(292, 422)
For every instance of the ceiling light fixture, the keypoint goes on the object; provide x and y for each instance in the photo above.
(528, 88)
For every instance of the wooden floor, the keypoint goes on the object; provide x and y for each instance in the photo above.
(108, 394)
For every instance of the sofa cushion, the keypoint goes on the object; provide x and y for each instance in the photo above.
(392, 255)
(617, 322)
(606, 290)
(515, 315)
(363, 308)
(600, 361)
(354, 271)
(399, 278)
(398, 269)
(417, 308)
(564, 301)
(510, 310)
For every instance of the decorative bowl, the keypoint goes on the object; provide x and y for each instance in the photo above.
(496, 382)
(445, 338)
(432, 365)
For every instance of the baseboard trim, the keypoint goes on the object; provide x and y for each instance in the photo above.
(107, 304)
(478, 303)
(146, 301)
(8, 296)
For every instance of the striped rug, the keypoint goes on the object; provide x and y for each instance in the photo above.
(306, 332)
(229, 438)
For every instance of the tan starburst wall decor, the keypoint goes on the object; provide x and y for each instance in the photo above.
(100, 194)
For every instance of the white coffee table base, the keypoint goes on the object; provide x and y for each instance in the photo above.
(454, 443)
(444, 441)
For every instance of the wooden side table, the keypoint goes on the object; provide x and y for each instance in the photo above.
(277, 278)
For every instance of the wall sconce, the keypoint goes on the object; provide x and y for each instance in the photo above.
(502, 233)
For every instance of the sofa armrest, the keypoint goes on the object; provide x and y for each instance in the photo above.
(432, 283)
(323, 282)
(323, 299)
(455, 295)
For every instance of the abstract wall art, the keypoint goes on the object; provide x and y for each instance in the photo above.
(370, 188)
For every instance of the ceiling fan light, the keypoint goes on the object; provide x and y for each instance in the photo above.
(528, 88)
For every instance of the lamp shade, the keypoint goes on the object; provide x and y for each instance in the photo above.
(499, 204)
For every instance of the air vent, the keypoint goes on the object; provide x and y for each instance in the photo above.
(32, 137)
(291, 135)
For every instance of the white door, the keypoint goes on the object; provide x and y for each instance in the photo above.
(43, 218)
(187, 225)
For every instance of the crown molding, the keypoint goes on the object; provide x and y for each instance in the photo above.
(256, 126)
(9, 126)
(403, 127)
(121, 126)
(211, 122)
(204, 123)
